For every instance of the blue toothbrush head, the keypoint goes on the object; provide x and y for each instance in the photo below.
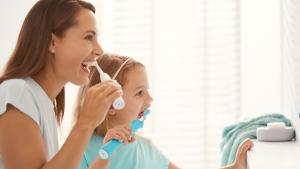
(146, 113)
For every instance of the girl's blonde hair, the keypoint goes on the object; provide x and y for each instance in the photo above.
(110, 64)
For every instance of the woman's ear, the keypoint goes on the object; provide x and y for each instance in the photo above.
(111, 112)
(52, 43)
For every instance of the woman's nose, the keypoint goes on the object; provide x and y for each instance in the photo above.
(98, 51)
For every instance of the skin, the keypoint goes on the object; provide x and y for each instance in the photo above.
(137, 99)
(21, 142)
(79, 44)
(241, 159)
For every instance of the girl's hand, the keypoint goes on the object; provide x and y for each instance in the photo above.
(98, 100)
(122, 134)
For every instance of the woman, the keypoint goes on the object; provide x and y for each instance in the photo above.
(56, 40)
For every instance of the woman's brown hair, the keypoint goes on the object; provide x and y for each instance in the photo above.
(31, 53)
(109, 63)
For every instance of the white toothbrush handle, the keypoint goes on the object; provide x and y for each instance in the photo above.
(119, 103)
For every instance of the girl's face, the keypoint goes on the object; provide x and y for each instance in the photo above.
(77, 46)
(135, 95)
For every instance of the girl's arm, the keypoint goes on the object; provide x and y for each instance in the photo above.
(241, 159)
(121, 133)
(99, 163)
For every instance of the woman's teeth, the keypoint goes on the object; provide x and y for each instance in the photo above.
(85, 67)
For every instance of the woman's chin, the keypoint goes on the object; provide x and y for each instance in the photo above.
(81, 81)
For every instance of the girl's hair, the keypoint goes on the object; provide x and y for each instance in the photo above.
(31, 54)
(110, 64)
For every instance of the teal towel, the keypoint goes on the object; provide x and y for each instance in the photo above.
(234, 135)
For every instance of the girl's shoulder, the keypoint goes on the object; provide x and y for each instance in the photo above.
(145, 143)
(143, 139)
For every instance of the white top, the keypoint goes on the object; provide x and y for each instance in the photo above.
(28, 96)
(274, 155)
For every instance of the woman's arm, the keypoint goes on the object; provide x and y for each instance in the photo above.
(21, 141)
(23, 145)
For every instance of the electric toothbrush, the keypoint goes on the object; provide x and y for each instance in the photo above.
(107, 150)
(119, 102)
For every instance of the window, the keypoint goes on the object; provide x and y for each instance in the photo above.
(191, 51)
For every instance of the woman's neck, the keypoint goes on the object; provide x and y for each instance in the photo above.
(49, 82)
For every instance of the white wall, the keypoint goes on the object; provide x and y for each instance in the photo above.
(12, 14)
(261, 79)
(291, 61)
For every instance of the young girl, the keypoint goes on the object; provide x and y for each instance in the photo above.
(56, 40)
(141, 154)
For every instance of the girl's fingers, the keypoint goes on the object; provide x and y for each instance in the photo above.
(132, 139)
(122, 134)
(112, 136)
(125, 134)
(126, 131)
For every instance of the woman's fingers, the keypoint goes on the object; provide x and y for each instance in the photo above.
(109, 91)
(98, 100)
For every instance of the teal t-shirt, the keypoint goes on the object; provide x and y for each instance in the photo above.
(141, 154)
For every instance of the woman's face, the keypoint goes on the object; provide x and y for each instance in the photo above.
(78, 45)
(135, 95)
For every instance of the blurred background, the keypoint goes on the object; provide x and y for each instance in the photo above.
(211, 63)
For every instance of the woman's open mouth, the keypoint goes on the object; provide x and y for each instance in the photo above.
(85, 67)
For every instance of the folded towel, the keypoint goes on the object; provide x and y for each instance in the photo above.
(234, 135)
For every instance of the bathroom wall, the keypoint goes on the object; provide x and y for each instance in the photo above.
(291, 60)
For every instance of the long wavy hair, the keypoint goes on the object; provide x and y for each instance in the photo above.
(31, 53)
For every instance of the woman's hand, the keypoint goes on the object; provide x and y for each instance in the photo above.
(98, 100)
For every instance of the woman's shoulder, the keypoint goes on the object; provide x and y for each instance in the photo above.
(16, 84)
(23, 87)
(19, 88)
(14, 89)
(20, 93)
